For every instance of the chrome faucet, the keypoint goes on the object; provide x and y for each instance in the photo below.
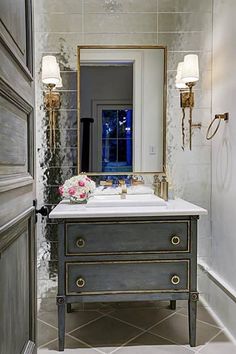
(123, 186)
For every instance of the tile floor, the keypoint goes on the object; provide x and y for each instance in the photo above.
(130, 328)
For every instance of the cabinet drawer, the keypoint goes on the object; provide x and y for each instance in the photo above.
(127, 237)
(126, 277)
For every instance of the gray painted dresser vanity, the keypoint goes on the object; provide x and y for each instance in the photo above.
(127, 254)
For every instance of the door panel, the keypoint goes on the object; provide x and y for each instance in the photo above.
(17, 187)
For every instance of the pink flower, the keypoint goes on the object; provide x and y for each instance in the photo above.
(61, 190)
(81, 184)
(82, 195)
(72, 191)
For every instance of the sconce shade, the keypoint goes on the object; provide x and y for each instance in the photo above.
(190, 70)
(178, 79)
(50, 70)
(60, 84)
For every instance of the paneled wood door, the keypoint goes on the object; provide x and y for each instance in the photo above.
(17, 188)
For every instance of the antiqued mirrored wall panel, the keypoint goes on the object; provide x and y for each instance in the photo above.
(121, 109)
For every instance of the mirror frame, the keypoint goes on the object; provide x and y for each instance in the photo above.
(164, 107)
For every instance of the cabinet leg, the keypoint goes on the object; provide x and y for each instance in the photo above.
(61, 322)
(68, 308)
(192, 318)
(173, 304)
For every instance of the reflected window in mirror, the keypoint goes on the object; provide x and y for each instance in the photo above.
(117, 125)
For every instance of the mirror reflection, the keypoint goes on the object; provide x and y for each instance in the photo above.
(121, 105)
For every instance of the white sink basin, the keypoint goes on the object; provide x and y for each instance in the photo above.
(131, 200)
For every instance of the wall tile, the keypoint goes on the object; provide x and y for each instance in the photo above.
(187, 42)
(59, 23)
(56, 6)
(120, 23)
(171, 22)
(122, 38)
(121, 6)
(184, 5)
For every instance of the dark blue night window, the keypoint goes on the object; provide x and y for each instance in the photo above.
(117, 135)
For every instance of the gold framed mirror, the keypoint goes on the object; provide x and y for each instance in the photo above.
(121, 109)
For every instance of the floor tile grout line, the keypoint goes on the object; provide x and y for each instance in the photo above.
(51, 341)
(84, 325)
(142, 329)
(199, 350)
(207, 323)
(48, 324)
(144, 332)
(83, 342)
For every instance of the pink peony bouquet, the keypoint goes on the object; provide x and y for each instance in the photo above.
(77, 188)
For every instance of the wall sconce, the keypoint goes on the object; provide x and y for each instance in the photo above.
(186, 78)
(52, 79)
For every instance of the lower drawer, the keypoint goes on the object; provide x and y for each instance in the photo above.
(127, 277)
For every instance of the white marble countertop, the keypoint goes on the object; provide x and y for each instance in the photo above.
(177, 207)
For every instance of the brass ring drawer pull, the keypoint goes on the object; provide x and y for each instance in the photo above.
(80, 242)
(80, 282)
(175, 240)
(175, 279)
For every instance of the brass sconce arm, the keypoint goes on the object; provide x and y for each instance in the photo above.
(187, 101)
(219, 117)
(52, 104)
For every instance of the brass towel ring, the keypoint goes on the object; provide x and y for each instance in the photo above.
(220, 117)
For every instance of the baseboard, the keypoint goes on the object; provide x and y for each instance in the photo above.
(228, 290)
(219, 289)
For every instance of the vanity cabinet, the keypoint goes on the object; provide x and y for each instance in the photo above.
(126, 258)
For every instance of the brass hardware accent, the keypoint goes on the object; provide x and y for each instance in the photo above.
(187, 101)
(127, 291)
(131, 252)
(175, 279)
(164, 188)
(80, 282)
(157, 185)
(219, 117)
(80, 243)
(194, 296)
(108, 182)
(52, 104)
(117, 47)
(123, 188)
(175, 240)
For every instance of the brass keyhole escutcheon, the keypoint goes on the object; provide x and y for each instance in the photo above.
(175, 279)
(175, 240)
(80, 242)
(80, 282)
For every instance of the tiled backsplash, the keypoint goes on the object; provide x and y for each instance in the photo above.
(184, 26)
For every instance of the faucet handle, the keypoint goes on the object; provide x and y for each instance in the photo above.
(121, 182)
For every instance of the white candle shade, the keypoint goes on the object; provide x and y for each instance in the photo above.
(59, 85)
(178, 79)
(190, 70)
(50, 70)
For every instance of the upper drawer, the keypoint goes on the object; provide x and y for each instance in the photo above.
(127, 237)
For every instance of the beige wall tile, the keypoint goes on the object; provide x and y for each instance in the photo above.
(55, 6)
(121, 38)
(197, 41)
(122, 6)
(168, 22)
(120, 23)
(185, 5)
(58, 23)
